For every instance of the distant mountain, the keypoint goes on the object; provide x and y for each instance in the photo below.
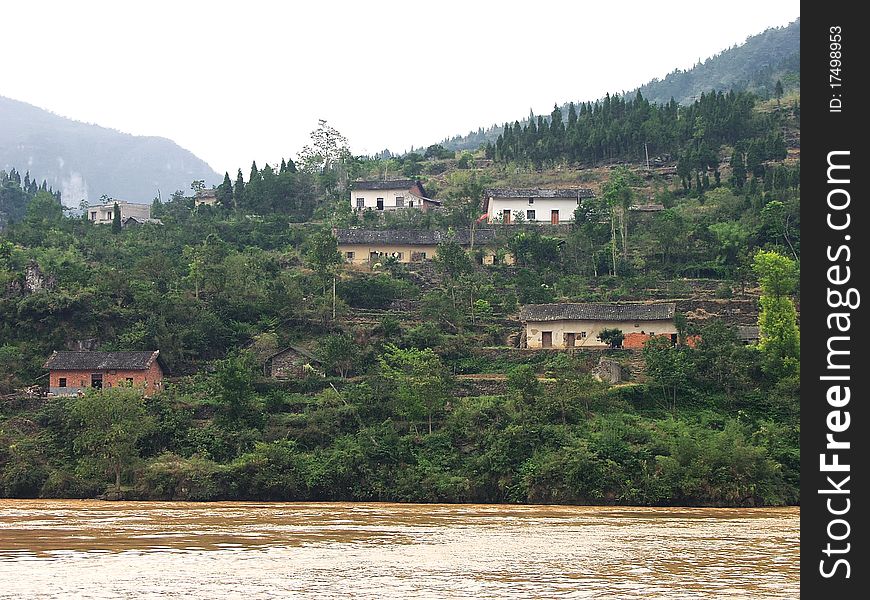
(756, 66)
(85, 161)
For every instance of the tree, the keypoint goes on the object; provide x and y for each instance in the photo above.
(44, 209)
(328, 146)
(669, 366)
(109, 423)
(779, 337)
(224, 192)
(116, 218)
(339, 353)
(324, 259)
(239, 190)
(612, 337)
(419, 381)
(618, 195)
(234, 389)
(524, 384)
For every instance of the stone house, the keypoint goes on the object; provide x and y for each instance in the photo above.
(72, 372)
(579, 325)
(366, 246)
(104, 213)
(532, 205)
(290, 362)
(396, 194)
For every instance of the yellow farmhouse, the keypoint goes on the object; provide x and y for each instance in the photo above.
(579, 325)
(368, 246)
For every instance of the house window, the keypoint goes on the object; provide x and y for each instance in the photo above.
(582, 335)
(652, 332)
(348, 255)
(531, 200)
(61, 382)
(93, 215)
(129, 381)
(530, 215)
(400, 201)
(410, 204)
(360, 202)
(380, 203)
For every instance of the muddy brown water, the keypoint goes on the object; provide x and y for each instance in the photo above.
(93, 549)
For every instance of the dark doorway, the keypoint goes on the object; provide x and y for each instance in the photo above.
(507, 217)
(547, 339)
(554, 217)
(380, 204)
(97, 381)
(569, 339)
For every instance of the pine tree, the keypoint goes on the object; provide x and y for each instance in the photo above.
(116, 218)
(239, 191)
(224, 192)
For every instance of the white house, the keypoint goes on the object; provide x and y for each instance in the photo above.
(390, 195)
(103, 213)
(554, 206)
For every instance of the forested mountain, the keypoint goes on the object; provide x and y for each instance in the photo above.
(85, 161)
(755, 66)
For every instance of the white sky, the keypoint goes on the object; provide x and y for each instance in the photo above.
(239, 81)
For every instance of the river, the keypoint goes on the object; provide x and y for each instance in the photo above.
(93, 549)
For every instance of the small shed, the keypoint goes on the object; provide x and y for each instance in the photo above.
(748, 334)
(290, 362)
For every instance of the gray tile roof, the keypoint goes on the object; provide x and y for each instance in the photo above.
(412, 237)
(100, 361)
(597, 312)
(539, 193)
(395, 184)
(747, 333)
(294, 350)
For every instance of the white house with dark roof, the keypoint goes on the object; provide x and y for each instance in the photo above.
(395, 194)
(569, 325)
(533, 205)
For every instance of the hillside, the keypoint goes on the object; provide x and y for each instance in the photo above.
(85, 161)
(754, 66)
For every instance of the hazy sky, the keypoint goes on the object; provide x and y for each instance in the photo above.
(240, 81)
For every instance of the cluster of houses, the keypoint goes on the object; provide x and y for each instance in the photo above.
(500, 205)
(545, 326)
(504, 206)
(562, 325)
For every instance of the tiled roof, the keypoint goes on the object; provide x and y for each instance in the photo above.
(412, 237)
(294, 350)
(100, 361)
(573, 193)
(747, 332)
(395, 184)
(597, 312)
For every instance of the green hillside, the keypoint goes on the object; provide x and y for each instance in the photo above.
(755, 66)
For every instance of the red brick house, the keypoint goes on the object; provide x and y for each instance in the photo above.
(73, 372)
